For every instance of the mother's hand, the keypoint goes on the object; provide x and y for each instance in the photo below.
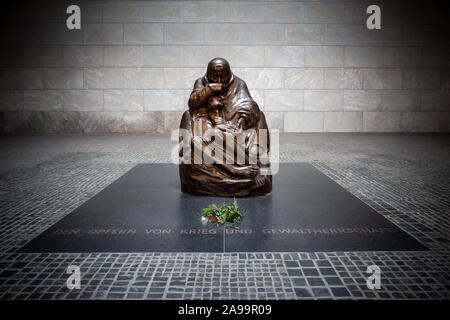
(215, 87)
(228, 127)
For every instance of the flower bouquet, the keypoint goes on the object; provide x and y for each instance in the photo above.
(224, 214)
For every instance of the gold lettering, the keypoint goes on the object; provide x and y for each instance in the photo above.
(198, 231)
(158, 231)
(111, 231)
(239, 231)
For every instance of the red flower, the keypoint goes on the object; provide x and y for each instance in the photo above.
(212, 219)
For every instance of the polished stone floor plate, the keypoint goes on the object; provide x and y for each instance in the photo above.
(144, 211)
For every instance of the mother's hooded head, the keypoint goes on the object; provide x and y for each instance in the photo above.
(219, 71)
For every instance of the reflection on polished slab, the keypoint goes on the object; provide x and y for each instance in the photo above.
(145, 211)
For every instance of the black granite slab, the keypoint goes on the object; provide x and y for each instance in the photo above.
(144, 211)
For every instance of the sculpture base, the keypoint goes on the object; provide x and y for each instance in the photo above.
(144, 211)
(197, 180)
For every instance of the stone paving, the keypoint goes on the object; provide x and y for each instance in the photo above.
(405, 177)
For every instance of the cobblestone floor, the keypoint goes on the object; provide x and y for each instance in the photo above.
(404, 177)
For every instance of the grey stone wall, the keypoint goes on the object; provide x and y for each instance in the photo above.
(312, 66)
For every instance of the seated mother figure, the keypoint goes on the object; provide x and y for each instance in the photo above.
(221, 103)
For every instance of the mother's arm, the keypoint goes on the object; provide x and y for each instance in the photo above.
(201, 94)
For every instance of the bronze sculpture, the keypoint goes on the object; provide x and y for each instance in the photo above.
(225, 142)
